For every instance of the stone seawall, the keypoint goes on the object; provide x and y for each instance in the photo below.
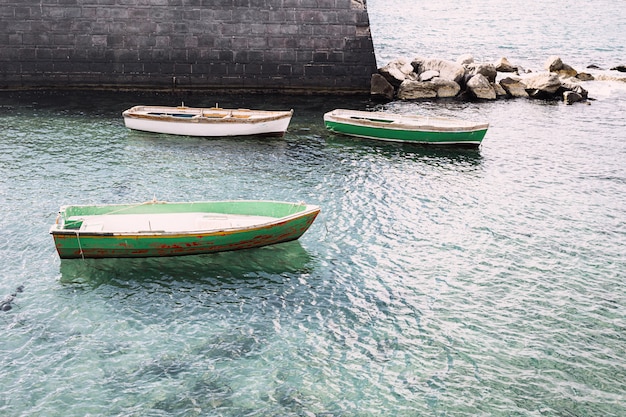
(303, 46)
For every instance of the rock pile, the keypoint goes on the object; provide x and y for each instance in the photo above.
(427, 78)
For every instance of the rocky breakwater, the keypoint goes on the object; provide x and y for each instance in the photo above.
(428, 78)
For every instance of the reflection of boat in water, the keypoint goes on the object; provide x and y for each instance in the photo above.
(289, 257)
(397, 151)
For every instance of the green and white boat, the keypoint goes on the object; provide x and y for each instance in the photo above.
(405, 128)
(156, 228)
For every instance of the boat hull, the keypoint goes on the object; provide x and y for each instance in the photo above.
(406, 129)
(213, 122)
(281, 222)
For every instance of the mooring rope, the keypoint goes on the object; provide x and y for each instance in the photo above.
(80, 248)
(153, 201)
(82, 255)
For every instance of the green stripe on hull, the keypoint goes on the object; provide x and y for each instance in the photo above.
(410, 136)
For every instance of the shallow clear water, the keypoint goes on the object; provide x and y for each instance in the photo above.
(434, 282)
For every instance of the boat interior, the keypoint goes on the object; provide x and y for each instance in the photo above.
(160, 222)
(210, 115)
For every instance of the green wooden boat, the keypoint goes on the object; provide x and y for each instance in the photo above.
(405, 128)
(156, 228)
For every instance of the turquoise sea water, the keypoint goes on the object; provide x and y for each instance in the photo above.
(435, 282)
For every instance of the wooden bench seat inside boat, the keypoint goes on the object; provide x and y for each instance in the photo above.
(176, 222)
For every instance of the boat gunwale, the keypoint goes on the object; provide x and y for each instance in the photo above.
(141, 112)
(315, 210)
(308, 210)
(367, 119)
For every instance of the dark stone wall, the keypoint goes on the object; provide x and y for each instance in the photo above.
(254, 45)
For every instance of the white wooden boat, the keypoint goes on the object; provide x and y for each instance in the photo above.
(405, 128)
(213, 121)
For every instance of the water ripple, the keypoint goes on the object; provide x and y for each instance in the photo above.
(434, 282)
